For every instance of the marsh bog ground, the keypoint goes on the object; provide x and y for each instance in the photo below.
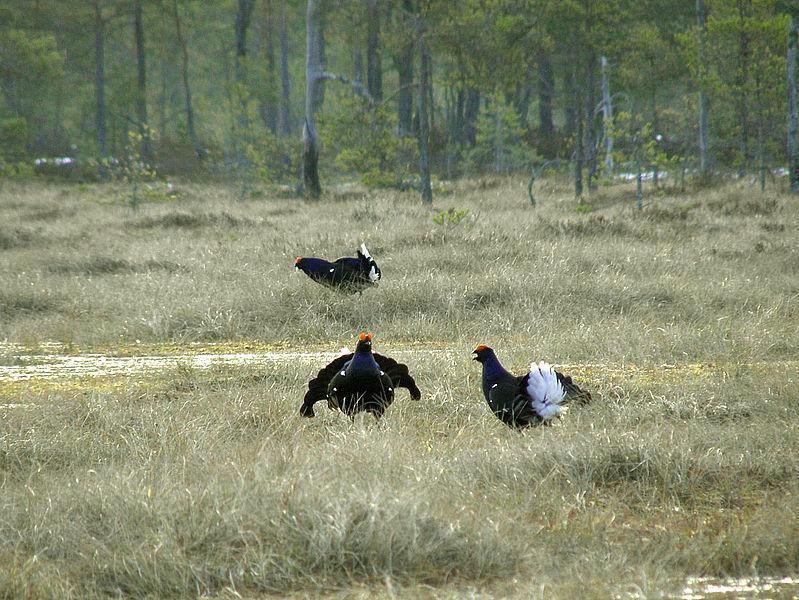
(192, 477)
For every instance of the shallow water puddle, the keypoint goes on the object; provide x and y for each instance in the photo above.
(699, 588)
(57, 366)
(62, 366)
(50, 366)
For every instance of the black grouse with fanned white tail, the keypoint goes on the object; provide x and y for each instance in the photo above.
(361, 381)
(532, 399)
(345, 274)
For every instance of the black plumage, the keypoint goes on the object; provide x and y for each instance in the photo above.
(345, 274)
(531, 399)
(361, 381)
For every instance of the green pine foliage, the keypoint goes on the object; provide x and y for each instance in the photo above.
(500, 146)
(362, 139)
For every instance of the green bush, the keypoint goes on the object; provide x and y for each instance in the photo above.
(362, 138)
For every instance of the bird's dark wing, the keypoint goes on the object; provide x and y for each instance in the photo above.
(349, 262)
(573, 391)
(317, 387)
(399, 374)
(319, 270)
(511, 404)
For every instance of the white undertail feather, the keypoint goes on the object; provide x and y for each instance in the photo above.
(545, 390)
(373, 276)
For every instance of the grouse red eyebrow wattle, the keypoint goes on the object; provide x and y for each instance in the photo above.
(480, 347)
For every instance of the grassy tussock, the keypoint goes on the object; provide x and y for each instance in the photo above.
(194, 483)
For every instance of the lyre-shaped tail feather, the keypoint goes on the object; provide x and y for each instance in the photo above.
(399, 374)
(371, 266)
(317, 387)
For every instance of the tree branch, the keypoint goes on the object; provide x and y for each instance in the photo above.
(356, 85)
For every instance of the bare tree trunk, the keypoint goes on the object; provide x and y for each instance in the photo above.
(424, 158)
(162, 93)
(431, 99)
(761, 153)
(184, 74)
(243, 15)
(590, 121)
(313, 70)
(607, 117)
(242, 24)
(578, 141)
(452, 119)
(655, 130)
(99, 78)
(405, 96)
(470, 110)
(571, 107)
(546, 88)
(499, 147)
(404, 65)
(793, 160)
(704, 157)
(268, 107)
(523, 99)
(374, 69)
(141, 80)
(319, 89)
(742, 85)
(284, 125)
(358, 68)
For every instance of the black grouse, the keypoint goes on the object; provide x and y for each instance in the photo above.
(357, 382)
(346, 274)
(526, 400)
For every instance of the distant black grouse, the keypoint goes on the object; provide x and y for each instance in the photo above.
(346, 274)
(359, 382)
(526, 400)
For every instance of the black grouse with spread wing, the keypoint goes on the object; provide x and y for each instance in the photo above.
(344, 274)
(526, 400)
(360, 381)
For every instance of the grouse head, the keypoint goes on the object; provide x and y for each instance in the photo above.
(482, 352)
(364, 343)
(297, 262)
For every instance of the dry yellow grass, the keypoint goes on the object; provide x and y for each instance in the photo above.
(190, 483)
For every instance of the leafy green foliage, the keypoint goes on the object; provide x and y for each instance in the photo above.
(637, 142)
(132, 170)
(500, 145)
(362, 139)
(451, 216)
